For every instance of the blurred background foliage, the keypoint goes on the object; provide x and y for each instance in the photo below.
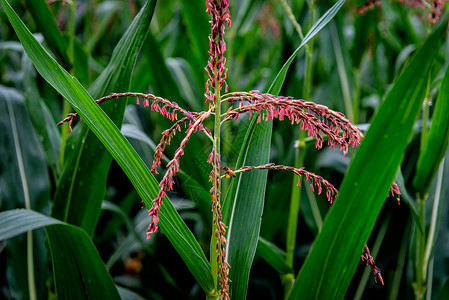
(355, 59)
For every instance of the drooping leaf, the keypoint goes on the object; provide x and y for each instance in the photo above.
(78, 269)
(331, 263)
(17, 221)
(76, 276)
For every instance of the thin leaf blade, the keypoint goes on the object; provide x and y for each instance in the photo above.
(326, 18)
(437, 141)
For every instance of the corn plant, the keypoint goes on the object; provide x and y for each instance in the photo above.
(80, 163)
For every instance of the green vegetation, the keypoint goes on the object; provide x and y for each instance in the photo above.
(72, 224)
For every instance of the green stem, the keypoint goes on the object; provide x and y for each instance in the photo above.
(425, 268)
(426, 112)
(402, 255)
(292, 19)
(26, 194)
(425, 244)
(374, 251)
(294, 203)
(318, 219)
(344, 82)
(295, 199)
(429, 282)
(421, 241)
(30, 266)
(433, 219)
(292, 225)
(420, 284)
(64, 134)
(71, 32)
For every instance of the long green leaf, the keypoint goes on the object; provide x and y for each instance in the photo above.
(147, 187)
(244, 202)
(243, 210)
(80, 191)
(436, 142)
(76, 276)
(329, 268)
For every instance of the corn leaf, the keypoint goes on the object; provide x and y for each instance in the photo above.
(41, 117)
(80, 191)
(105, 130)
(326, 18)
(243, 206)
(436, 142)
(47, 25)
(331, 263)
(76, 276)
(274, 256)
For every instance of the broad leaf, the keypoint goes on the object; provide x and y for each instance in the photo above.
(76, 276)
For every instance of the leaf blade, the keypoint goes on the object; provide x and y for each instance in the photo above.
(76, 276)
(80, 191)
(144, 183)
(437, 141)
(322, 276)
(276, 86)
